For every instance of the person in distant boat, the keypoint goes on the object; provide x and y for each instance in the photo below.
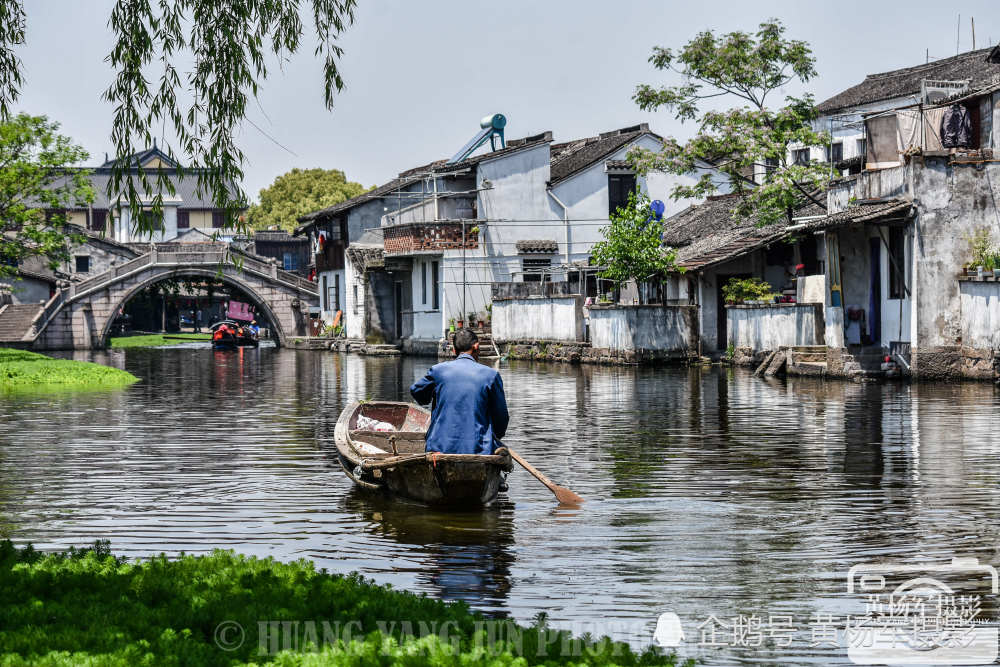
(469, 408)
(254, 329)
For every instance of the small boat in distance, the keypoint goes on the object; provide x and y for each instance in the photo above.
(228, 335)
(380, 445)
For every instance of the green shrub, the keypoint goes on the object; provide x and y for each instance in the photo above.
(89, 607)
(738, 290)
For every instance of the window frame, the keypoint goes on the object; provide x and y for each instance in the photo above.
(619, 190)
(797, 156)
(833, 149)
(76, 263)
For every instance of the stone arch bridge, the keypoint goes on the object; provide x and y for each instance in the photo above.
(80, 316)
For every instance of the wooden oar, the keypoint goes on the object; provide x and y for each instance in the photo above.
(562, 494)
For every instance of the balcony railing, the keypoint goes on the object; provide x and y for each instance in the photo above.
(430, 237)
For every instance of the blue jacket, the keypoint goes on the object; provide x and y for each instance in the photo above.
(469, 407)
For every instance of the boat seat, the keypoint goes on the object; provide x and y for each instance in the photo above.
(407, 442)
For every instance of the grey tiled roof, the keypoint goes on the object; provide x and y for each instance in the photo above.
(709, 233)
(537, 245)
(273, 236)
(972, 66)
(573, 156)
(415, 174)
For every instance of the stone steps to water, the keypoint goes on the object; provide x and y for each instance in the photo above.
(15, 321)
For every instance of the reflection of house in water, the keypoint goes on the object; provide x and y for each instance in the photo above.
(465, 555)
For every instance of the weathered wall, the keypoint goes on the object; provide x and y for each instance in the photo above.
(671, 329)
(538, 318)
(24, 290)
(980, 314)
(777, 325)
(954, 202)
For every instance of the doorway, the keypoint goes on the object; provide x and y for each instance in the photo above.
(875, 292)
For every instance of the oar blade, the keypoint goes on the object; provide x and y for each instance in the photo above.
(567, 497)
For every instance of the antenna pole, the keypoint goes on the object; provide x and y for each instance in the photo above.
(958, 33)
(973, 33)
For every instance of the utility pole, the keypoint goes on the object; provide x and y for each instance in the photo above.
(973, 33)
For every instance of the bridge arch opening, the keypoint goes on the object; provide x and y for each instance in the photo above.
(187, 290)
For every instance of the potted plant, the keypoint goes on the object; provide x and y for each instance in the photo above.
(481, 323)
(460, 324)
(451, 325)
(489, 313)
(995, 262)
(982, 251)
(472, 318)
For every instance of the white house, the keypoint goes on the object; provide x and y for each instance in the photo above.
(529, 211)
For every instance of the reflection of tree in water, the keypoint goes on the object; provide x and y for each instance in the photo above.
(464, 555)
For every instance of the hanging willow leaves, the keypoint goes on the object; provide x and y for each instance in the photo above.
(186, 69)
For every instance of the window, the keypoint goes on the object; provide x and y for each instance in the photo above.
(534, 268)
(897, 263)
(152, 221)
(619, 188)
(183, 219)
(356, 304)
(862, 146)
(435, 288)
(800, 156)
(218, 219)
(423, 283)
(290, 261)
(770, 166)
(835, 152)
(325, 296)
(98, 219)
(333, 299)
(82, 263)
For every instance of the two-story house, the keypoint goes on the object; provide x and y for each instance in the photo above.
(426, 248)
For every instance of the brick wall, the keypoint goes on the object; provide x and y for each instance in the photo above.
(408, 238)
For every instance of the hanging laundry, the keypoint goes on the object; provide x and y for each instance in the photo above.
(956, 127)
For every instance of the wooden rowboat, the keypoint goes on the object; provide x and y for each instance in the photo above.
(395, 461)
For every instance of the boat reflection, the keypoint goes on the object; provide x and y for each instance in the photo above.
(462, 555)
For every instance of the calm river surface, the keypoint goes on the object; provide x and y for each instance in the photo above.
(711, 493)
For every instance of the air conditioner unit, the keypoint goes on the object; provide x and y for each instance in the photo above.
(934, 91)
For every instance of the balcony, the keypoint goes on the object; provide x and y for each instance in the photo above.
(429, 238)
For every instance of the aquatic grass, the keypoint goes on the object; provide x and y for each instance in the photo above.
(158, 340)
(21, 370)
(91, 607)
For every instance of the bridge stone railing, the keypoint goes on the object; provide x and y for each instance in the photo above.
(41, 320)
(193, 258)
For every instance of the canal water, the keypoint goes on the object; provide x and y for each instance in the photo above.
(712, 494)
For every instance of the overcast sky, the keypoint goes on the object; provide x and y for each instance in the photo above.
(420, 74)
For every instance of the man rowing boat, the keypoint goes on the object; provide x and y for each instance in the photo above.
(469, 413)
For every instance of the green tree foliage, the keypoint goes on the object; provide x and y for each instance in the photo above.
(747, 68)
(632, 248)
(189, 67)
(298, 192)
(35, 173)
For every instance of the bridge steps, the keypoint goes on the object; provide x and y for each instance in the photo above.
(15, 321)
